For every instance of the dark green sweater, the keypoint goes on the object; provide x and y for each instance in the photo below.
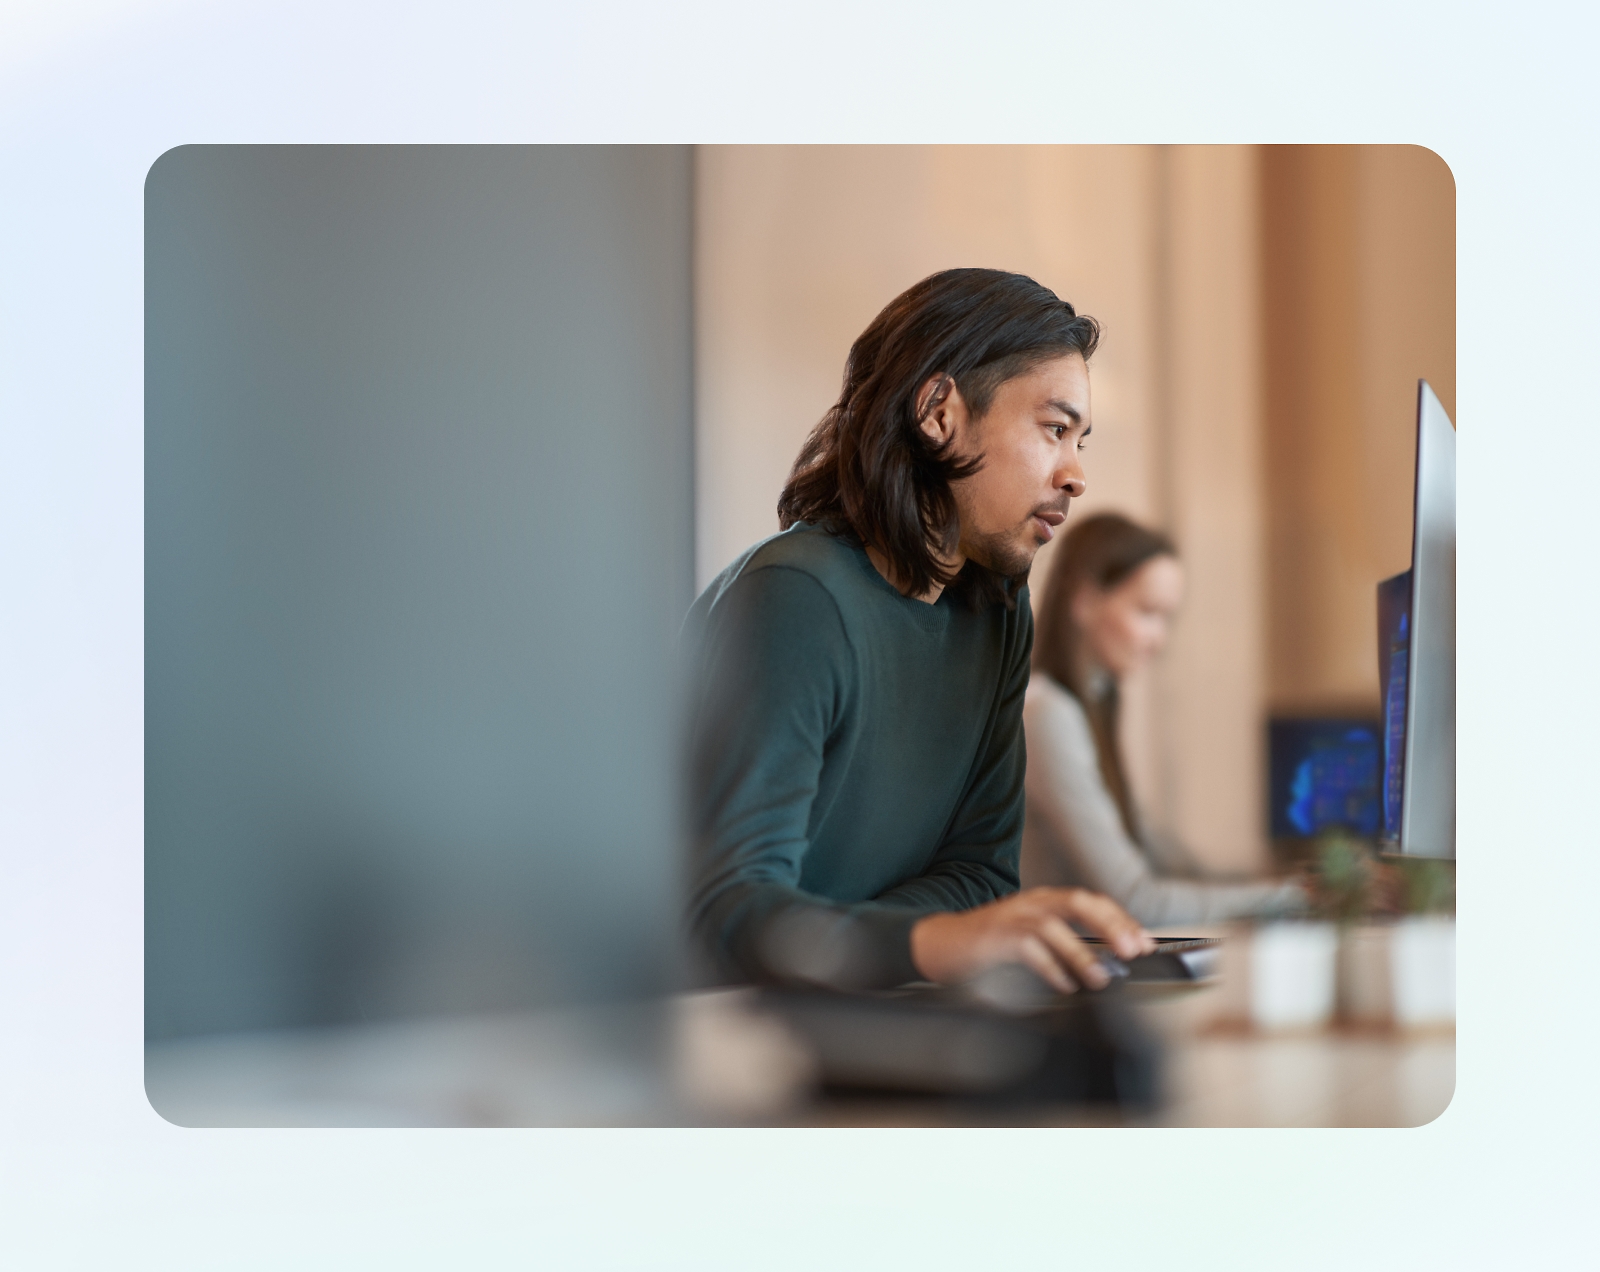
(857, 762)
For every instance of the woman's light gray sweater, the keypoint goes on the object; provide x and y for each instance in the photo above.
(1074, 836)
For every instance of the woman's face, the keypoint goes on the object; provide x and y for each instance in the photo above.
(1126, 626)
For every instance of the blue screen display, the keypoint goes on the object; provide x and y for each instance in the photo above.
(1394, 645)
(1324, 773)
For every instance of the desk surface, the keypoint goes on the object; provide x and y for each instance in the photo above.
(708, 1059)
(1329, 1081)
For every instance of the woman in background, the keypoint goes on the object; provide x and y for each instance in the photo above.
(1114, 589)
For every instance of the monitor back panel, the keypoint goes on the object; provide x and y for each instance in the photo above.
(1428, 826)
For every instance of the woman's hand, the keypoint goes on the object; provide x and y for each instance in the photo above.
(1031, 928)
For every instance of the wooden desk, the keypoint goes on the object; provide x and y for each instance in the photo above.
(707, 1059)
(1215, 1075)
(1220, 1074)
(1329, 1079)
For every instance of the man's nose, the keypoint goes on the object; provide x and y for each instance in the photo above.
(1071, 480)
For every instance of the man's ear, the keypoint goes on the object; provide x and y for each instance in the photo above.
(941, 410)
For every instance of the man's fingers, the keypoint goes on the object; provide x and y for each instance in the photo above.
(1109, 921)
(1037, 957)
(1080, 960)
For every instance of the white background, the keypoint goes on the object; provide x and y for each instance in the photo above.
(91, 93)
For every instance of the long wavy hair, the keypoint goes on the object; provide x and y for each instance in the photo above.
(1103, 550)
(869, 470)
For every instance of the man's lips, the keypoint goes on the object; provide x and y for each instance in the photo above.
(1047, 521)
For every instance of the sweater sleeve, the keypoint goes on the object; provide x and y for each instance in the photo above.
(776, 675)
(1075, 834)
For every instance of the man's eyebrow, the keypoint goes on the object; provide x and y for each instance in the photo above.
(1071, 412)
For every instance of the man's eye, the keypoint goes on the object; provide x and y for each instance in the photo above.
(1060, 430)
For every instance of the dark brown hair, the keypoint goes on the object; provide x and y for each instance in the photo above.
(1105, 550)
(868, 470)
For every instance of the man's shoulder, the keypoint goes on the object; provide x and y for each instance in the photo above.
(789, 595)
(827, 560)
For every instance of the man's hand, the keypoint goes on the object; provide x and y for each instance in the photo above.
(1031, 928)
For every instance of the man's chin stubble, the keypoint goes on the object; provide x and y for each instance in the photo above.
(1002, 555)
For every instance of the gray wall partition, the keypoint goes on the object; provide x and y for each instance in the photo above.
(418, 545)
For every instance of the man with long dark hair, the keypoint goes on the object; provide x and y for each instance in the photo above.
(857, 794)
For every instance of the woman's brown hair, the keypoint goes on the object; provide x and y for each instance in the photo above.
(1103, 550)
(868, 470)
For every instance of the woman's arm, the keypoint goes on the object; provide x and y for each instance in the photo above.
(1075, 834)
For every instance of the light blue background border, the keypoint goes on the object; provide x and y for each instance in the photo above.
(90, 1176)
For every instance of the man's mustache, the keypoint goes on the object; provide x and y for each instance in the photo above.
(1060, 507)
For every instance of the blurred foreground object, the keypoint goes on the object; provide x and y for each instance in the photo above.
(573, 1066)
(747, 1057)
(719, 1056)
(411, 696)
(1087, 1048)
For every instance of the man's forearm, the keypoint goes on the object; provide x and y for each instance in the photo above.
(772, 933)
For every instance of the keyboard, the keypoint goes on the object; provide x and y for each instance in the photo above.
(1176, 959)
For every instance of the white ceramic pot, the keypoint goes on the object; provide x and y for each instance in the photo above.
(1400, 973)
(1423, 965)
(1291, 975)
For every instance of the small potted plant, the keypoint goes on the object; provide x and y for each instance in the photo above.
(1292, 964)
(1422, 956)
(1364, 907)
(1396, 960)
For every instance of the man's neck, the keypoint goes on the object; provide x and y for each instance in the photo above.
(881, 564)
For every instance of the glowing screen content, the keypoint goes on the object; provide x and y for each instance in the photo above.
(1394, 644)
(1324, 774)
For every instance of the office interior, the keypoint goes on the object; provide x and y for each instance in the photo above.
(458, 782)
(1268, 311)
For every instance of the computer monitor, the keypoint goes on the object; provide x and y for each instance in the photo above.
(1323, 774)
(1417, 656)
